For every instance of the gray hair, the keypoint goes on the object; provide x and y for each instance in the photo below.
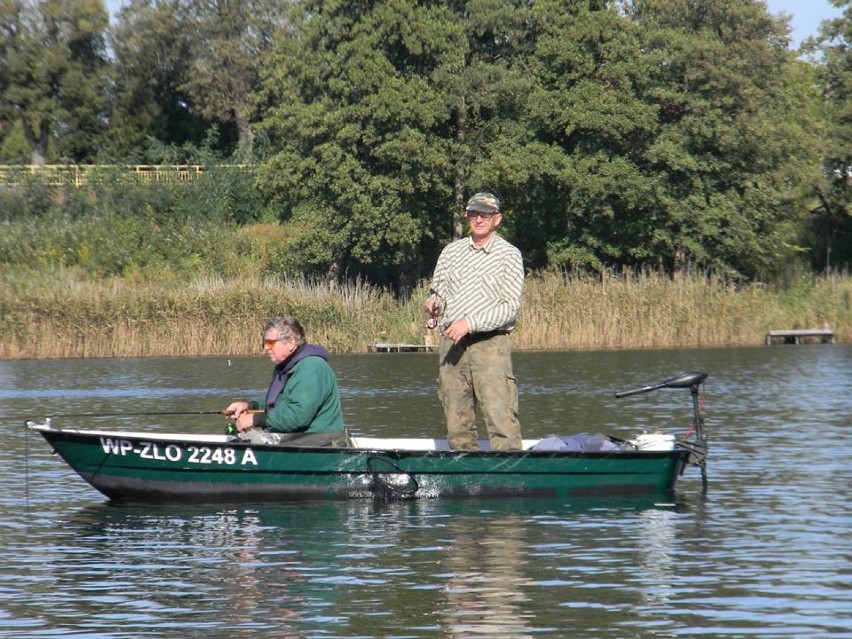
(287, 327)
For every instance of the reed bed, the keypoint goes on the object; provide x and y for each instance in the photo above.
(205, 317)
(63, 317)
(649, 310)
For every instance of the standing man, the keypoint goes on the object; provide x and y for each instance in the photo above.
(476, 289)
(302, 404)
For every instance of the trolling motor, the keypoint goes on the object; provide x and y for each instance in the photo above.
(698, 447)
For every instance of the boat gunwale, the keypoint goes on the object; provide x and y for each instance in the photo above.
(400, 452)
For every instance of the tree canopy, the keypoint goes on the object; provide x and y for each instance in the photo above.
(665, 134)
(653, 132)
(54, 75)
(830, 227)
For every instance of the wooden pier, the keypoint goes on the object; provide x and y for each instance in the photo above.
(800, 336)
(385, 347)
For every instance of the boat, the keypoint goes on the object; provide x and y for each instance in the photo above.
(161, 468)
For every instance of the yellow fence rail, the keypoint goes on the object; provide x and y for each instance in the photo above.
(80, 174)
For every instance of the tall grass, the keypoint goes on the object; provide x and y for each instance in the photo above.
(650, 310)
(61, 316)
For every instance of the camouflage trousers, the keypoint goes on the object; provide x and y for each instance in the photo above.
(479, 373)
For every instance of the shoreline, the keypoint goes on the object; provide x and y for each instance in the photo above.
(117, 319)
(515, 351)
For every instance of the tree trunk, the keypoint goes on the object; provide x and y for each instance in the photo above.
(36, 141)
(457, 228)
(245, 144)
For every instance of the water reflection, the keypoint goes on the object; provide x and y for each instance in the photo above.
(252, 569)
(485, 589)
(655, 553)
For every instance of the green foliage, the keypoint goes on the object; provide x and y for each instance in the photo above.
(105, 244)
(152, 47)
(362, 153)
(672, 135)
(665, 134)
(743, 118)
(33, 198)
(185, 66)
(643, 134)
(829, 232)
(13, 145)
(112, 227)
(54, 75)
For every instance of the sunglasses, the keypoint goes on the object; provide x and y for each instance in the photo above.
(472, 215)
(270, 343)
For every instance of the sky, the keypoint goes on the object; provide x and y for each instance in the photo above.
(806, 16)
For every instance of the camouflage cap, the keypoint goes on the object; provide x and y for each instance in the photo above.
(483, 202)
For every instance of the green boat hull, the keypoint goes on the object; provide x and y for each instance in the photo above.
(134, 467)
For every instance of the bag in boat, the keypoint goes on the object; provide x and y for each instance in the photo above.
(582, 443)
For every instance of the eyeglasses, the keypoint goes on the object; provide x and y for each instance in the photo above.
(269, 343)
(472, 215)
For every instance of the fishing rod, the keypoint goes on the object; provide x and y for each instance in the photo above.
(140, 414)
(130, 414)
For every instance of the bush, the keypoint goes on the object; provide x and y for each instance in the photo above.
(113, 226)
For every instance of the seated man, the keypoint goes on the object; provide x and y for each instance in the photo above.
(302, 404)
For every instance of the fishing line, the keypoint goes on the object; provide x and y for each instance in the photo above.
(27, 469)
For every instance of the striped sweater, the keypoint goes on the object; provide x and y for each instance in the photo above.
(482, 285)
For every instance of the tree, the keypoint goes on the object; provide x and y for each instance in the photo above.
(382, 117)
(745, 127)
(152, 50)
(831, 222)
(229, 40)
(681, 127)
(573, 166)
(358, 154)
(189, 67)
(54, 75)
(645, 133)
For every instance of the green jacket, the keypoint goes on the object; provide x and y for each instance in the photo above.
(309, 401)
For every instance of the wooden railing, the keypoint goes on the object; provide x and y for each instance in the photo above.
(80, 174)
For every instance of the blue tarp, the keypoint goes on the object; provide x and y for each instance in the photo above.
(582, 443)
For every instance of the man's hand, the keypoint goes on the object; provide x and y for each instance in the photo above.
(235, 409)
(244, 421)
(457, 330)
(433, 306)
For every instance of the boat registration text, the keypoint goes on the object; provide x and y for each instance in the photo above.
(219, 455)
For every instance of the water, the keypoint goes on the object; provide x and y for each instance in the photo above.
(765, 553)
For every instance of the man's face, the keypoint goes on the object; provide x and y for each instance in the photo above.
(276, 347)
(482, 225)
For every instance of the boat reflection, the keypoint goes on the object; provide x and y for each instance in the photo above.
(466, 568)
(243, 570)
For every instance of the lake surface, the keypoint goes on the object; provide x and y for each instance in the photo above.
(765, 553)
